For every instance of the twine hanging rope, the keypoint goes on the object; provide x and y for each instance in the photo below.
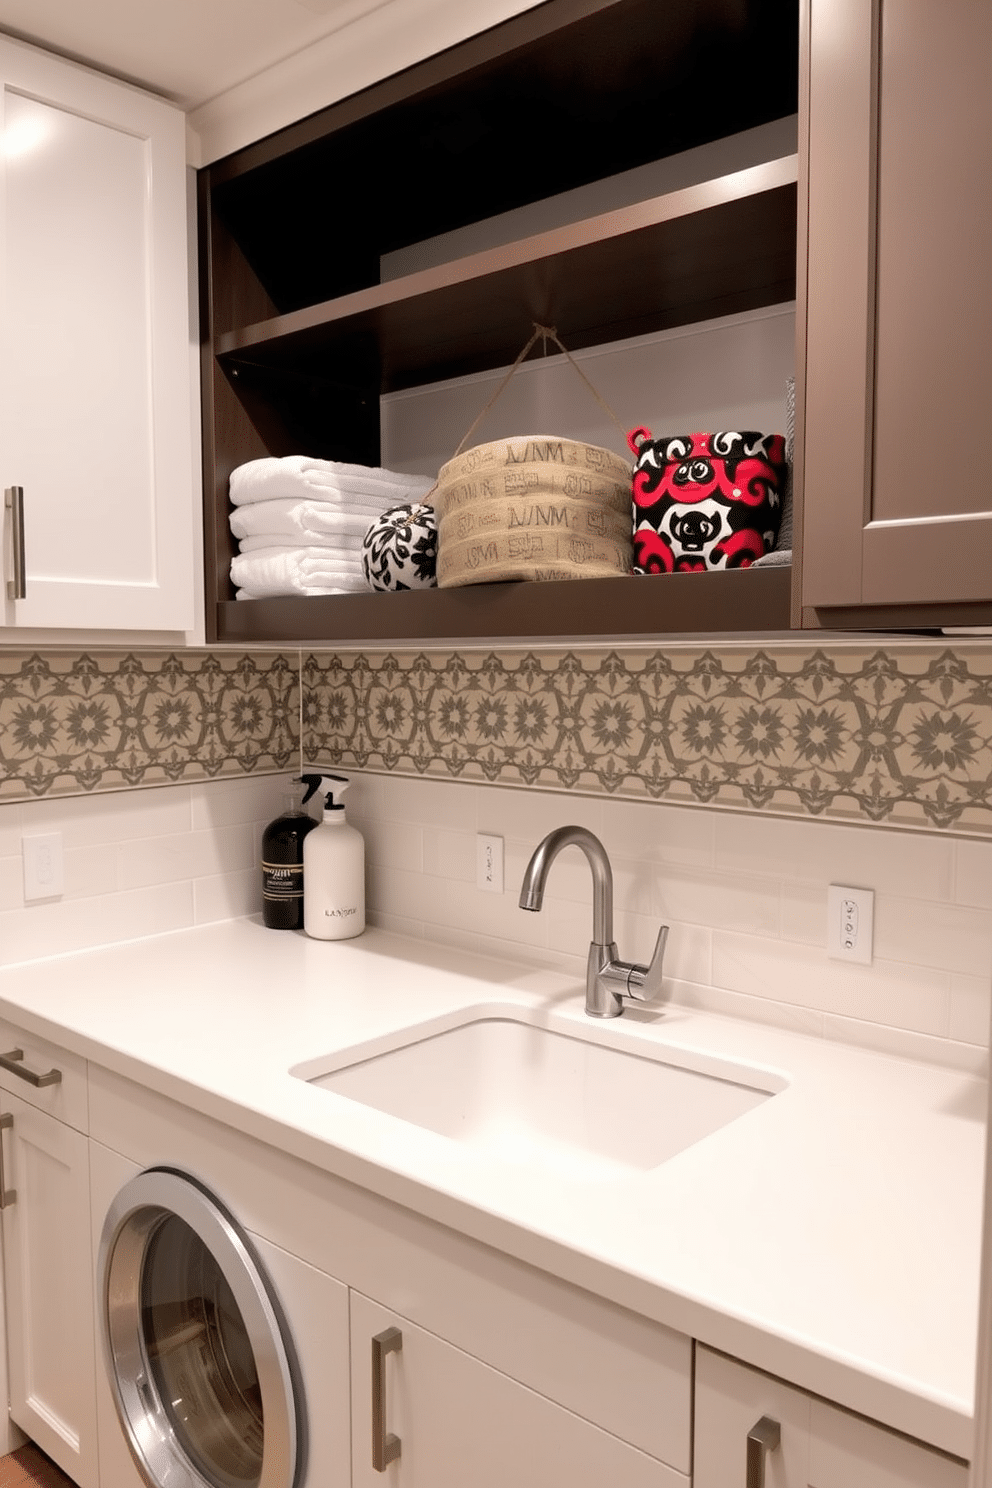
(544, 334)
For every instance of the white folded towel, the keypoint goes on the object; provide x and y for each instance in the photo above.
(355, 588)
(268, 572)
(310, 523)
(343, 544)
(293, 477)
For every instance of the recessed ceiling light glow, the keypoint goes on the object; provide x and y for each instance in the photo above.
(23, 135)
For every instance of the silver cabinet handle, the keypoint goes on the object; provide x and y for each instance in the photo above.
(13, 500)
(385, 1446)
(9, 1063)
(7, 1195)
(763, 1438)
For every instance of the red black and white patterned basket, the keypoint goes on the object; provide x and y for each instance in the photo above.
(705, 501)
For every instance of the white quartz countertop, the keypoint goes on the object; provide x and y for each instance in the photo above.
(831, 1236)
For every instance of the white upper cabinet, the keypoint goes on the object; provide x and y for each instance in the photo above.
(95, 406)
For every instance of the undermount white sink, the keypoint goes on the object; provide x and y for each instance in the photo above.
(573, 1101)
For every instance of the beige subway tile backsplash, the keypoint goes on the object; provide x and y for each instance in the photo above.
(11, 883)
(119, 816)
(900, 996)
(92, 870)
(226, 896)
(970, 1010)
(55, 927)
(945, 936)
(973, 874)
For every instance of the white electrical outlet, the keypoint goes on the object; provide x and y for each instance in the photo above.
(489, 863)
(42, 857)
(850, 921)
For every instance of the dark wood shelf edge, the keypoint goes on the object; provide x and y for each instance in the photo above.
(740, 601)
(898, 617)
(772, 182)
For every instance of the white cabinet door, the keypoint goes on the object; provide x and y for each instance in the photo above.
(729, 1401)
(47, 1286)
(462, 1424)
(850, 1452)
(818, 1445)
(95, 405)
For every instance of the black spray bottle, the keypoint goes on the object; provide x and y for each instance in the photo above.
(282, 863)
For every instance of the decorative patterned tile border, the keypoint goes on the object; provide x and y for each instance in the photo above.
(889, 734)
(71, 724)
(897, 734)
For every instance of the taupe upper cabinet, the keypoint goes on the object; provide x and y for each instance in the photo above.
(897, 510)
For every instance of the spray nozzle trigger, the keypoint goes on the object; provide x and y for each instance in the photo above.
(329, 785)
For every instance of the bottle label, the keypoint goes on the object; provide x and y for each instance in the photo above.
(282, 881)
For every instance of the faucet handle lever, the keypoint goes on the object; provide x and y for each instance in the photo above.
(644, 982)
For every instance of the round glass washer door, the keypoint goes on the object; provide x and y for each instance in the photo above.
(204, 1380)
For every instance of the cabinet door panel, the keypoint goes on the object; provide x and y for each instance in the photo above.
(730, 1401)
(95, 418)
(848, 1452)
(821, 1446)
(317, 1307)
(895, 510)
(462, 1424)
(934, 316)
(47, 1282)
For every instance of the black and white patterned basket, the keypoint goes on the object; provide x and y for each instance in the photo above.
(400, 549)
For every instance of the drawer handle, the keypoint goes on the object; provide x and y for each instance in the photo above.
(9, 1062)
(385, 1446)
(763, 1438)
(13, 500)
(7, 1195)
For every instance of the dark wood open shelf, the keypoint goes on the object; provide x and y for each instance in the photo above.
(552, 99)
(649, 606)
(301, 338)
(714, 249)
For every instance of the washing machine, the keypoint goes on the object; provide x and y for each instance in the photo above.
(213, 1342)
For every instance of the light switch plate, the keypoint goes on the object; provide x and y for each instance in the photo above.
(42, 857)
(489, 863)
(850, 923)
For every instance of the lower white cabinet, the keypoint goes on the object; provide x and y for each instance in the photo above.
(428, 1415)
(755, 1431)
(478, 1374)
(48, 1285)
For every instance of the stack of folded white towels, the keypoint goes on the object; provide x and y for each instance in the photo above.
(300, 523)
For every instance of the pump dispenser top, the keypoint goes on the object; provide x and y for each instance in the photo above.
(333, 866)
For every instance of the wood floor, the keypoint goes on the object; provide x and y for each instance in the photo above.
(30, 1468)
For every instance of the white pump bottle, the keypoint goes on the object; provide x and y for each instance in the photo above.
(333, 867)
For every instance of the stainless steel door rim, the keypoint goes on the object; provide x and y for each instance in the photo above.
(205, 1384)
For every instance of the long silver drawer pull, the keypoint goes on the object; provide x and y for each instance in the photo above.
(7, 1195)
(385, 1446)
(9, 1062)
(763, 1438)
(13, 500)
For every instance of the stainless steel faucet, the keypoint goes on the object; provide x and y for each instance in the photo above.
(610, 982)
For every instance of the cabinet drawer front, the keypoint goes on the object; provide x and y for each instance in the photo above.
(460, 1422)
(65, 1099)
